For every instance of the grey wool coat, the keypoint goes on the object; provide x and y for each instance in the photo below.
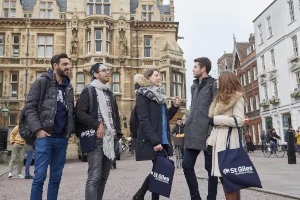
(197, 128)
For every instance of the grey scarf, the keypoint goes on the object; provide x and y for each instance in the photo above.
(154, 93)
(108, 140)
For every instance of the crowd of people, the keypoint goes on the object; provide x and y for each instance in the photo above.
(50, 117)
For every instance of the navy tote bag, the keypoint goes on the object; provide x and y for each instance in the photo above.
(237, 170)
(162, 174)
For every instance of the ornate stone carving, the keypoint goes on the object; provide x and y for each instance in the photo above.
(75, 18)
(42, 61)
(175, 62)
(123, 43)
(15, 61)
(109, 60)
(148, 62)
(74, 42)
(87, 60)
(4, 61)
(98, 60)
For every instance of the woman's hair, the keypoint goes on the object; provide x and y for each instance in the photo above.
(228, 84)
(149, 72)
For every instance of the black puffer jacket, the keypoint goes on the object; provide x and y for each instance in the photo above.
(41, 105)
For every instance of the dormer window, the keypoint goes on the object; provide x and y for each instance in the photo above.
(147, 13)
(46, 10)
(98, 7)
(9, 8)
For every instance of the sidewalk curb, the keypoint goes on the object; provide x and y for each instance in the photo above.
(262, 190)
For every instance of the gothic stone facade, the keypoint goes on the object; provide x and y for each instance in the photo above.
(128, 36)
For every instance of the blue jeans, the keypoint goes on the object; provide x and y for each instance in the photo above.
(273, 146)
(188, 165)
(48, 151)
(29, 155)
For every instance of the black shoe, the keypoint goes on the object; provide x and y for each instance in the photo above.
(29, 177)
(138, 196)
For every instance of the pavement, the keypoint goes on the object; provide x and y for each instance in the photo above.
(275, 174)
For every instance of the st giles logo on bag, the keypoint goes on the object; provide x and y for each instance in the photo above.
(160, 177)
(88, 133)
(239, 170)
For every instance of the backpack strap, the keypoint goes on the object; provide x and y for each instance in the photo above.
(91, 97)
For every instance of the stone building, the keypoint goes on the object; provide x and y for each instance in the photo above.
(225, 62)
(128, 36)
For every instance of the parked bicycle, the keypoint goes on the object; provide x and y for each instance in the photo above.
(178, 143)
(127, 147)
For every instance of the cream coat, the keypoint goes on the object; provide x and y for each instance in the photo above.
(221, 112)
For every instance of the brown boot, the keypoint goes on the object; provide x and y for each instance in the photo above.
(238, 195)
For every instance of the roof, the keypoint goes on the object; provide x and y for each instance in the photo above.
(264, 10)
(242, 49)
(28, 5)
(164, 9)
(229, 58)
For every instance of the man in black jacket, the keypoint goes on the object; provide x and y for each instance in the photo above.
(105, 121)
(49, 114)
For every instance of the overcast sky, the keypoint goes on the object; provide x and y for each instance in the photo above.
(208, 27)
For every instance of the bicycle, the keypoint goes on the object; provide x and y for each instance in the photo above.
(280, 150)
(178, 143)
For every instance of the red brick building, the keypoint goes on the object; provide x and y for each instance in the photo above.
(247, 73)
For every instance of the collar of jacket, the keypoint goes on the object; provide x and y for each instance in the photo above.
(205, 79)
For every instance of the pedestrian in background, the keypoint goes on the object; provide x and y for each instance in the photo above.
(297, 136)
(263, 138)
(154, 117)
(229, 102)
(249, 143)
(29, 154)
(17, 150)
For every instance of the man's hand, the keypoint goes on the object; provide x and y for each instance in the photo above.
(158, 148)
(100, 131)
(42, 134)
(177, 102)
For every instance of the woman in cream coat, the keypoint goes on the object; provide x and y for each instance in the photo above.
(229, 102)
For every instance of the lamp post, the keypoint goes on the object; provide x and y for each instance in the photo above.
(27, 56)
(137, 44)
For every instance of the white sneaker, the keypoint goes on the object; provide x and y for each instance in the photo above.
(20, 176)
(9, 175)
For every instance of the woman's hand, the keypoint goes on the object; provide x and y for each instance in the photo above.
(158, 148)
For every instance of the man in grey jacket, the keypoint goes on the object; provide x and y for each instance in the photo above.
(197, 128)
(49, 114)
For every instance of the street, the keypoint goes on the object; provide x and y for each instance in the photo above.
(125, 181)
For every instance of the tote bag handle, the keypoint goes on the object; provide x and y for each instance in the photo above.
(229, 134)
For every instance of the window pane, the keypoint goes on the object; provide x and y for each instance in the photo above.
(116, 78)
(13, 4)
(106, 1)
(174, 77)
(50, 5)
(5, 13)
(144, 7)
(49, 14)
(174, 90)
(179, 78)
(90, 9)
(1, 77)
(13, 12)
(6, 4)
(49, 50)
(98, 34)
(150, 8)
(1, 50)
(116, 87)
(179, 90)
(43, 5)
(80, 87)
(49, 40)
(98, 46)
(80, 77)
(98, 9)
(107, 35)
(14, 77)
(16, 39)
(106, 9)
(107, 47)
(2, 39)
(42, 14)
(41, 40)
(150, 17)
(97, 1)
(147, 52)
(148, 41)
(41, 51)
(144, 17)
